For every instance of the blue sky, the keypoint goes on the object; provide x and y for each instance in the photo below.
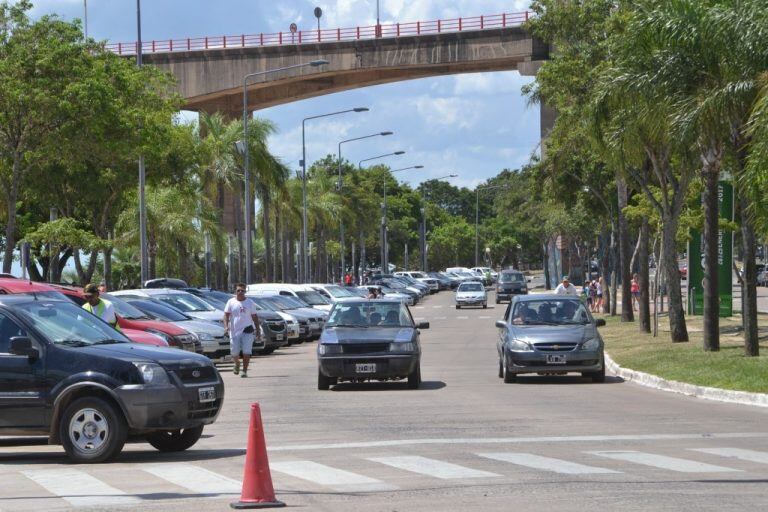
(473, 125)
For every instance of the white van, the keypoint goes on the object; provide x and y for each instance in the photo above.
(334, 293)
(453, 270)
(300, 291)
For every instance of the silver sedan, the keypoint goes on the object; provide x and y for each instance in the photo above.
(549, 335)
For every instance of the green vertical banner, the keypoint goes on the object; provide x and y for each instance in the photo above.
(724, 259)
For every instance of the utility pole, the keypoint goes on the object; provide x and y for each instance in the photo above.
(143, 249)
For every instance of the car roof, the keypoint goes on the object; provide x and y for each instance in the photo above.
(22, 298)
(546, 296)
(13, 285)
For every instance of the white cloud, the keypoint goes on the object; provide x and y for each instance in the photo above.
(507, 82)
(447, 113)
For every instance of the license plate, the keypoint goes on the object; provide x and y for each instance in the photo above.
(555, 359)
(206, 395)
(365, 368)
(279, 337)
(314, 326)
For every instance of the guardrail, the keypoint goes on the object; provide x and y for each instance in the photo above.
(301, 37)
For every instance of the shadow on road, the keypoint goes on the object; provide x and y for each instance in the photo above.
(56, 455)
(427, 385)
(565, 379)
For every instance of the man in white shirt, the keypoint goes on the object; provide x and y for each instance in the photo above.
(566, 288)
(242, 324)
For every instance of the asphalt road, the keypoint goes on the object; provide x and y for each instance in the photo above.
(465, 441)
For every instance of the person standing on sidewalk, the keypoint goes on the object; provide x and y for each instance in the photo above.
(242, 323)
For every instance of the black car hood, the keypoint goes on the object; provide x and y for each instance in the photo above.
(553, 333)
(366, 334)
(134, 352)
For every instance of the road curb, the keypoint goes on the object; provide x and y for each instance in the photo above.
(683, 388)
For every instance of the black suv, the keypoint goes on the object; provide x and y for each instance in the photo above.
(511, 282)
(68, 375)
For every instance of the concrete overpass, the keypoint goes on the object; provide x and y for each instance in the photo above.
(210, 70)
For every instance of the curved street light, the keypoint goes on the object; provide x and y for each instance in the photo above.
(339, 185)
(396, 153)
(304, 267)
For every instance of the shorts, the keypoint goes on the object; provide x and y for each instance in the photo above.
(635, 294)
(599, 295)
(242, 342)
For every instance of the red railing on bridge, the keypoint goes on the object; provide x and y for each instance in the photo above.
(393, 30)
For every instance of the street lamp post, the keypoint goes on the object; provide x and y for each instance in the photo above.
(477, 218)
(423, 229)
(246, 167)
(143, 246)
(384, 237)
(339, 185)
(303, 269)
(360, 163)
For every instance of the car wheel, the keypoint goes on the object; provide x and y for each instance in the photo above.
(498, 301)
(266, 351)
(598, 376)
(324, 383)
(175, 440)
(458, 307)
(92, 430)
(501, 369)
(414, 378)
(485, 305)
(509, 377)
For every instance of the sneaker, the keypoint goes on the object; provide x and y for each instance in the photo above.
(236, 370)
(244, 375)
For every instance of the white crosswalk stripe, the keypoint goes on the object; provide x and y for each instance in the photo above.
(431, 467)
(664, 462)
(436, 307)
(79, 488)
(337, 479)
(546, 463)
(736, 453)
(462, 317)
(194, 478)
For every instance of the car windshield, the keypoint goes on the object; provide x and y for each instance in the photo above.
(550, 312)
(185, 302)
(370, 314)
(338, 292)
(124, 309)
(470, 287)
(160, 310)
(63, 323)
(511, 277)
(215, 302)
(291, 302)
(312, 298)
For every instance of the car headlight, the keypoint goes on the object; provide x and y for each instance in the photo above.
(204, 336)
(402, 347)
(152, 374)
(592, 344)
(165, 337)
(328, 349)
(520, 346)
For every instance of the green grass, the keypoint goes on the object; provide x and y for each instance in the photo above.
(687, 362)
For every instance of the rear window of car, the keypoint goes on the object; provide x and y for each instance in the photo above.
(471, 287)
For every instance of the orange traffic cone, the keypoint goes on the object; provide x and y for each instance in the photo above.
(257, 480)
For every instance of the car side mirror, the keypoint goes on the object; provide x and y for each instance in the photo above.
(600, 322)
(22, 346)
(501, 324)
(422, 325)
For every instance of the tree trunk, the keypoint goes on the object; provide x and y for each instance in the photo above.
(625, 253)
(677, 327)
(278, 245)
(108, 267)
(545, 260)
(749, 287)
(644, 308)
(611, 285)
(710, 174)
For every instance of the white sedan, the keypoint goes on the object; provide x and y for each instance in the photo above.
(471, 293)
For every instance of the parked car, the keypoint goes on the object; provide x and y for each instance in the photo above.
(444, 282)
(482, 271)
(398, 286)
(301, 321)
(214, 341)
(130, 319)
(550, 335)
(333, 293)
(471, 293)
(384, 292)
(305, 293)
(316, 319)
(762, 278)
(511, 282)
(179, 299)
(73, 378)
(432, 283)
(370, 340)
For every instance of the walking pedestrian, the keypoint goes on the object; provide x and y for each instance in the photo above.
(599, 290)
(593, 295)
(242, 323)
(635, 289)
(98, 306)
